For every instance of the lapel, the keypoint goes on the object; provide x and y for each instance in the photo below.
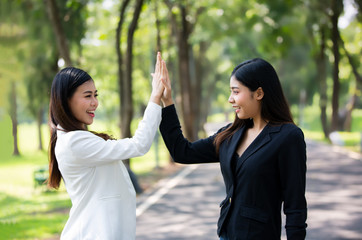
(263, 138)
(231, 148)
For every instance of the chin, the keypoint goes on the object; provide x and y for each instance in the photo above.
(241, 116)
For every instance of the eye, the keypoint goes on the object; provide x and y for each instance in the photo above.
(96, 95)
(88, 96)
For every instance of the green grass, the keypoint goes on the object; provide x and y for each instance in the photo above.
(32, 216)
(29, 212)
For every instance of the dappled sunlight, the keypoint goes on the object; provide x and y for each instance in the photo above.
(334, 193)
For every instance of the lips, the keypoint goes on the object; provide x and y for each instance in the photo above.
(237, 109)
(91, 113)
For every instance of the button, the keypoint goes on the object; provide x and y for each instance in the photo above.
(230, 200)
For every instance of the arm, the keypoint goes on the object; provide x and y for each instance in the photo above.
(181, 150)
(292, 165)
(91, 150)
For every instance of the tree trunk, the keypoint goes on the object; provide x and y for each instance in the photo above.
(125, 78)
(322, 76)
(336, 84)
(14, 118)
(351, 104)
(200, 96)
(127, 103)
(39, 123)
(183, 31)
(120, 66)
(53, 14)
(185, 86)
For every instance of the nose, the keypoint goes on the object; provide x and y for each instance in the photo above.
(94, 102)
(231, 99)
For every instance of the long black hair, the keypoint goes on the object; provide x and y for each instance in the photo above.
(64, 85)
(253, 74)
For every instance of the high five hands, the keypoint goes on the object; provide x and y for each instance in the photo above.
(161, 85)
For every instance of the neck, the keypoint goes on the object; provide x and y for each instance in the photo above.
(259, 123)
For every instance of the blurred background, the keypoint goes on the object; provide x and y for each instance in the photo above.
(314, 45)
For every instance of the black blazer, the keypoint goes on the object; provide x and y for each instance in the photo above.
(270, 172)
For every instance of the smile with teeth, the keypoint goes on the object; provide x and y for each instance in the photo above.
(237, 109)
(91, 113)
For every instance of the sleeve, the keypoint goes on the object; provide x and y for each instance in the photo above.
(181, 150)
(89, 149)
(292, 165)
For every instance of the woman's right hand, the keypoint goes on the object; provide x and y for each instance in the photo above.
(157, 83)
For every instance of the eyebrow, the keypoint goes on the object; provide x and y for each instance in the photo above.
(87, 92)
(234, 88)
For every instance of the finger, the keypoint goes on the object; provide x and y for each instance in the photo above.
(157, 67)
(163, 69)
(159, 60)
(166, 74)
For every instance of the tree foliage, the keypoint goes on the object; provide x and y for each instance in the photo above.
(201, 41)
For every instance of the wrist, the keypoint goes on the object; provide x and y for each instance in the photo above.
(156, 99)
(167, 102)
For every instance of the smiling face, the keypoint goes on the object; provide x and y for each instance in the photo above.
(247, 104)
(84, 102)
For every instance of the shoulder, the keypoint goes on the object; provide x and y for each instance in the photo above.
(292, 136)
(286, 133)
(292, 129)
(286, 128)
(75, 137)
(78, 134)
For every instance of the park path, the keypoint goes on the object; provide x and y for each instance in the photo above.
(185, 206)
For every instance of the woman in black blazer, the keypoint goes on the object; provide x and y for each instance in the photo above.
(262, 156)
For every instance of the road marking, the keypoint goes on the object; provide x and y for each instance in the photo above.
(163, 190)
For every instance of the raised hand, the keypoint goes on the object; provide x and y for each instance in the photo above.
(167, 92)
(157, 84)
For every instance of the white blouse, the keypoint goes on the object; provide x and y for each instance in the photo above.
(103, 197)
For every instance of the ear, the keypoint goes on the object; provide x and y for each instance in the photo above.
(259, 93)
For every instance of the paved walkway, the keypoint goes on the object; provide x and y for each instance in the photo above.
(334, 193)
(186, 206)
(189, 210)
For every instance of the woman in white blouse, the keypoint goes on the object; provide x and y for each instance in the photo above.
(103, 197)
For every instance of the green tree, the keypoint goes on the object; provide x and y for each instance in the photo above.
(11, 39)
(125, 67)
(327, 40)
(41, 57)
